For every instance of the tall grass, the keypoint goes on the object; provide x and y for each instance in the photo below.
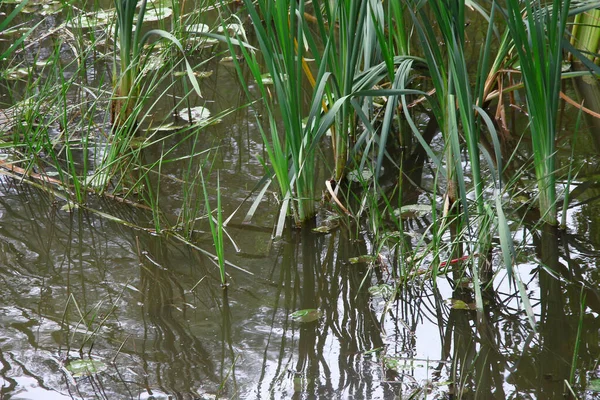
(538, 33)
(454, 106)
(347, 64)
(5, 24)
(216, 226)
(347, 29)
(281, 31)
(131, 45)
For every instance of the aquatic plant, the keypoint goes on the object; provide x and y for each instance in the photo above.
(585, 34)
(346, 56)
(282, 40)
(538, 34)
(454, 107)
(216, 226)
(131, 45)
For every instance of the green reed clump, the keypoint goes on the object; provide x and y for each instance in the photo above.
(131, 45)
(341, 40)
(538, 33)
(282, 34)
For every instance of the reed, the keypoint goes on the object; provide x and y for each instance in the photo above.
(131, 46)
(538, 32)
(585, 34)
(346, 50)
(282, 34)
(216, 227)
(454, 108)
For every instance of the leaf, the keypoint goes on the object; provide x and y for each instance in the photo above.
(323, 229)
(266, 79)
(198, 114)
(233, 29)
(79, 368)
(400, 365)
(198, 74)
(360, 176)
(593, 385)
(413, 211)
(367, 258)
(307, 315)
(157, 14)
(373, 351)
(166, 35)
(92, 19)
(197, 28)
(382, 290)
(457, 304)
(70, 207)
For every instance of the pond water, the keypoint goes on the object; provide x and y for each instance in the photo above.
(90, 308)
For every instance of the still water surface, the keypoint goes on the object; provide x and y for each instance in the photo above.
(147, 314)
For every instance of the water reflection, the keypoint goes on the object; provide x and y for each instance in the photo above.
(77, 287)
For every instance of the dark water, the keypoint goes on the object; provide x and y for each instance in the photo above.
(149, 314)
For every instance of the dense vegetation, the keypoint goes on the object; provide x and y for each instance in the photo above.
(355, 101)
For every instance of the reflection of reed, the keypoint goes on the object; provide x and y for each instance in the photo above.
(228, 356)
(9, 384)
(329, 355)
(483, 351)
(181, 358)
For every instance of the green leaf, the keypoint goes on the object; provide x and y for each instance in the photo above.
(593, 385)
(368, 259)
(460, 305)
(360, 176)
(79, 368)
(382, 290)
(306, 315)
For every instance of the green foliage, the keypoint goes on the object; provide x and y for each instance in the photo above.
(131, 45)
(538, 38)
(216, 226)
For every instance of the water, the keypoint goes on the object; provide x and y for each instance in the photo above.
(148, 318)
(152, 313)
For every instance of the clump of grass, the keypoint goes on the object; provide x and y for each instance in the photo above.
(282, 41)
(538, 33)
(131, 45)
